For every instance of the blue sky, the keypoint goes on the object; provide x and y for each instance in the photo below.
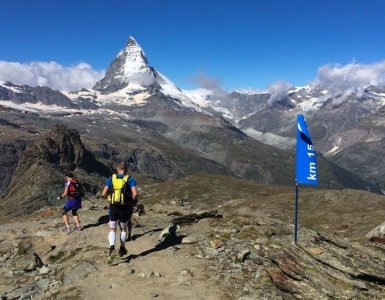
(244, 43)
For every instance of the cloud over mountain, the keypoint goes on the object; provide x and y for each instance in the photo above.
(51, 74)
(351, 76)
(278, 90)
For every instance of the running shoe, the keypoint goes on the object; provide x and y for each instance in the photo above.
(122, 251)
(111, 255)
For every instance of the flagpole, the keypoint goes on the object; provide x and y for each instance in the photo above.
(296, 214)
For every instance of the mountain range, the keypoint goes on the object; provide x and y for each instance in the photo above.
(138, 115)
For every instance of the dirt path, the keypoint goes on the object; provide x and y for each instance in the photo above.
(79, 260)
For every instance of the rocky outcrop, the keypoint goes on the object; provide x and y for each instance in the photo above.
(377, 234)
(261, 261)
(38, 177)
(10, 154)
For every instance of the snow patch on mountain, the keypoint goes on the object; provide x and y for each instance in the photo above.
(203, 98)
(310, 104)
(128, 96)
(37, 107)
(134, 57)
(270, 138)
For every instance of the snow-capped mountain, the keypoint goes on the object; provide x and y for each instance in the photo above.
(129, 81)
(130, 73)
(133, 92)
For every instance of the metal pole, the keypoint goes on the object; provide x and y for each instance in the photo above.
(296, 214)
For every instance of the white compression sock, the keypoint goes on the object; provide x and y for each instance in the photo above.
(111, 238)
(123, 236)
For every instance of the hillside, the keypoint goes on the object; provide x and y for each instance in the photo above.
(245, 252)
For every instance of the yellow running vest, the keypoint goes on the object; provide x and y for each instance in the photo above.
(118, 189)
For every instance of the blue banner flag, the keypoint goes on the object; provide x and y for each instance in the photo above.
(306, 164)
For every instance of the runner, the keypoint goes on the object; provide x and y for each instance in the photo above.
(74, 190)
(122, 195)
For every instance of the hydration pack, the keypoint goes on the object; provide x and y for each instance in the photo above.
(75, 189)
(120, 191)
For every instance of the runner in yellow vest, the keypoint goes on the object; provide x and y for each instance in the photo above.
(122, 195)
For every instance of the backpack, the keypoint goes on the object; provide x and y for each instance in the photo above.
(120, 192)
(75, 189)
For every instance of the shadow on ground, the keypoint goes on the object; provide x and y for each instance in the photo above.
(102, 220)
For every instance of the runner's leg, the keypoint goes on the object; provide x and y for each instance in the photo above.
(76, 217)
(65, 218)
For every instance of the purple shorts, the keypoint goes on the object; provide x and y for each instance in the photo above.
(73, 204)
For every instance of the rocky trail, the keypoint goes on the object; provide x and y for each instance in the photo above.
(75, 265)
(179, 252)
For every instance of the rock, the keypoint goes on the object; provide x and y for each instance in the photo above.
(258, 260)
(153, 295)
(142, 275)
(131, 271)
(157, 207)
(216, 243)
(261, 240)
(257, 247)
(44, 270)
(189, 240)
(169, 232)
(42, 284)
(242, 256)
(155, 274)
(25, 292)
(6, 246)
(42, 233)
(24, 246)
(29, 245)
(195, 217)
(55, 284)
(185, 277)
(377, 234)
(16, 273)
(315, 250)
(82, 270)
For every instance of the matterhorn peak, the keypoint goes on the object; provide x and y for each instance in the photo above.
(130, 66)
(132, 42)
(133, 56)
(129, 74)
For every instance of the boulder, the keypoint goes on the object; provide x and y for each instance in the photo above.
(79, 272)
(169, 233)
(185, 277)
(377, 234)
(216, 243)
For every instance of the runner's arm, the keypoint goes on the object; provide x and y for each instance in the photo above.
(134, 193)
(105, 191)
(65, 193)
(106, 187)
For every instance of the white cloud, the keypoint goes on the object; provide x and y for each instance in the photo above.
(344, 80)
(51, 74)
(352, 75)
(278, 90)
(250, 91)
(213, 84)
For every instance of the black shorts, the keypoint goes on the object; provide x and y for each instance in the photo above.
(120, 213)
(74, 211)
